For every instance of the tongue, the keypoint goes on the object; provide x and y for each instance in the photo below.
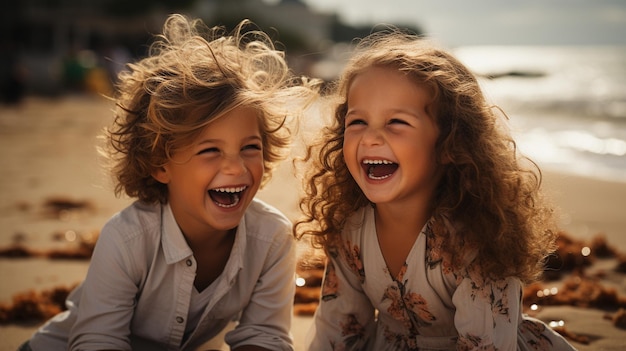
(382, 170)
(223, 197)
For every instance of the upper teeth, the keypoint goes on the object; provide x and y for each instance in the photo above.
(377, 162)
(231, 190)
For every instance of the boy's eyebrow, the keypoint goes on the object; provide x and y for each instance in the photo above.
(217, 141)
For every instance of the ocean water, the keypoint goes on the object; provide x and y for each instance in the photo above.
(566, 105)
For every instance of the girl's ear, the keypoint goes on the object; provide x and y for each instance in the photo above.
(445, 158)
(161, 175)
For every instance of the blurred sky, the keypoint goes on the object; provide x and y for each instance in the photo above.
(494, 22)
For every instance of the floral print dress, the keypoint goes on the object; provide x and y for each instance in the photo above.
(427, 306)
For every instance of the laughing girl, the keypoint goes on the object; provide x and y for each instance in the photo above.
(430, 219)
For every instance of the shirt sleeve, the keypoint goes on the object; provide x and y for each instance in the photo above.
(266, 320)
(487, 313)
(107, 300)
(344, 318)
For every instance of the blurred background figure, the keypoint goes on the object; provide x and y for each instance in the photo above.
(70, 46)
(12, 75)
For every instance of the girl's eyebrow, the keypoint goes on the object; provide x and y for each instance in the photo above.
(410, 112)
(351, 112)
(391, 111)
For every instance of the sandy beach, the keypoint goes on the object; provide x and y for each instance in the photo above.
(48, 151)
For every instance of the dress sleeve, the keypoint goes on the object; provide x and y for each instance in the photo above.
(344, 318)
(266, 320)
(107, 299)
(487, 313)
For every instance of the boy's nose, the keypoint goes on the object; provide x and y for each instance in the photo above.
(233, 165)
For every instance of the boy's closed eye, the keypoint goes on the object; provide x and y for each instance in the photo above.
(249, 148)
(253, 147)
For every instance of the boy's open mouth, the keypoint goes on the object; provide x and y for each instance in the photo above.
(379, 169)
(227, 197)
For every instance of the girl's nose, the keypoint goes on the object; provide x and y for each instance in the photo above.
(372, 137)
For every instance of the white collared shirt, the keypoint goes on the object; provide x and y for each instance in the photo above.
(138, 288)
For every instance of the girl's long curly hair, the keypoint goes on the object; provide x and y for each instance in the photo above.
(192, 76)
(488, 192)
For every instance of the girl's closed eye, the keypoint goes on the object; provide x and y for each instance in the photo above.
(354, 122)
(208, 150)
(398, 121)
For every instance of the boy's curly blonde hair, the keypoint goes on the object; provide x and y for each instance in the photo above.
(488, 191)
(193, 75)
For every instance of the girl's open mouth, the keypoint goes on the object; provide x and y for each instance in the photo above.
(378, 169)
(227, 197)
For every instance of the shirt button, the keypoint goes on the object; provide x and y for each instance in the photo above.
(180, 319)
(189, 263)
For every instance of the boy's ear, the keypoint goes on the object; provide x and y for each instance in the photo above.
(161, 175)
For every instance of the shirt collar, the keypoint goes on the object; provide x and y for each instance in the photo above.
(176, 249)
(237, 254)
(174, 244)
